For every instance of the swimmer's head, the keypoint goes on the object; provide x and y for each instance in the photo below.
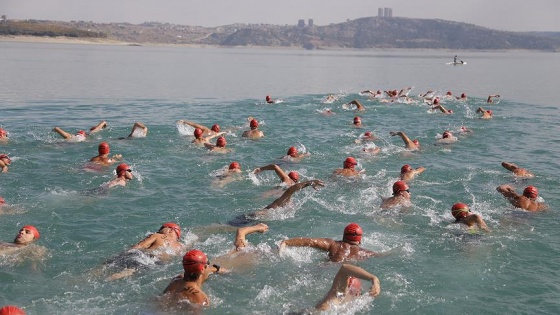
(436, 100)
(197, 133)
(122, 169)
(268, 98)
(531, 192)
(83, 133)
(352, 233)
(215, 128)
(416, 142)
(234, 166)
(450, 111)
(294, 176)
(27, 229)
(254, 124)
(448, 93)
(460, 210)
(103, 148)
(292, 151)
(350, 162)
(354, 286)
(3, 133)
(221, 142)
(489, 112)
(406, 168)
(2, 201)
(463, 95)
(11, 310)
(194, 262)
(446, 134)
(400, 186)
(6, 159)
(175, 227)
(357, 120)
(368, 134)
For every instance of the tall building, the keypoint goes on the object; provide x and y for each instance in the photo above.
(310, 23)
(301, 23)
(380, 12)
(387, 12)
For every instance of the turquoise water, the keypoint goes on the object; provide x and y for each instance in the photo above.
(435, 266)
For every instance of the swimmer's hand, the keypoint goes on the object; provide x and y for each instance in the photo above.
(375, 287)
(317, 183)
(117, 156)
(395, 133)
(257, 170)
(281, 247)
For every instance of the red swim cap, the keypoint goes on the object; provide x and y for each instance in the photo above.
(450, 111)
(254, 124)
(436, 100)
(197, 133)
(399, 186)
(2, 201)
(354, 286)
(33, 230)
(352, 232)
(173, 226)
(463, 95)
(268, 98)
(123, 167)
(446, 135)
(83, 133)
(368, 134)
(234, 165)
(489, 112)
(215, 128)
(416, 142)
(292, 151)
(406, 168)
(103, 148)
(11, 310)
(221, 142)
(194, 262)
(293, 175)
(350, 162)
(448, 93)
(531, 192)
(460, 210)
(357, 120)
(3, 133)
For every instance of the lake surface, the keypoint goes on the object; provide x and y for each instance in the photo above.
(434, 267)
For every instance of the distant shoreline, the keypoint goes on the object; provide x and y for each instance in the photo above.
(114, 42)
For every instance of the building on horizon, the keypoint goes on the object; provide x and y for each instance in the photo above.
(387, 12)
(310, 23)
(301, 23)
(380, 12)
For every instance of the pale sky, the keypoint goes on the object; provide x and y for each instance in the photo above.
(507, 15)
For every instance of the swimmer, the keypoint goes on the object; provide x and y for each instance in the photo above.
(3, 136)
(401, 196)
(206, 131)
(446, 138)
(462, 214)
(124, 174)
(463, 96)
(269, 100)
(254, 133)
(26, 235)
(139, 130)
(187, 288)
(408, 173)
(103, 156)
(80, 135)
(288, 179)
(200, 140)
(359, 106)
(11, 310)
(4, 162)
(490, 98)
(464, 129)
(294, 156)
(326, 112)
(517, 171)
(346, 286)
(348, 168)
(164, 244)
(526, 201)
(368, 136)
(486, 114)
(219, 147)
(437, 105)
(286, 197)
(357, 122)
(338, 251)
(231, 174)
(409, 144)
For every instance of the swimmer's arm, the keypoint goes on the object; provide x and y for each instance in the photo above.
(508, 192)
(216, 135)
(147, 242)
(287, 195)
(319, 243)
(199, 126)
(274, 167)
(209, 146)
(4, 167)
(419, 170)
(101, 125)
